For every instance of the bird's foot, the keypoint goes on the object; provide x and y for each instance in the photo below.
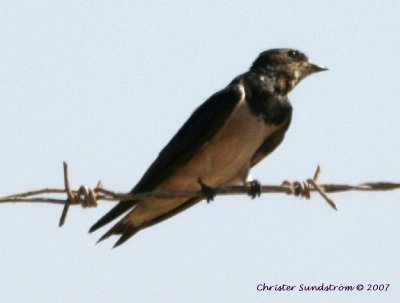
(208, 192)
(254, 188)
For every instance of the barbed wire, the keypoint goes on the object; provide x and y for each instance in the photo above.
(89, 197)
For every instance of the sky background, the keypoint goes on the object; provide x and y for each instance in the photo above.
(104, 85)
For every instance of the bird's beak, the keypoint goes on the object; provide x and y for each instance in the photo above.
(314, 68)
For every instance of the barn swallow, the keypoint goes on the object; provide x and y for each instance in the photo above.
(228, 134)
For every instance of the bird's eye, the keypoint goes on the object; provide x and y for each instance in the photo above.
(294, 53)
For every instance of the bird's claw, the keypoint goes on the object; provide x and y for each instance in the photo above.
(207, 191)
(254, 189)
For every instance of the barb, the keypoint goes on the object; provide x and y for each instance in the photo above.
(70, 199)
(89, 197)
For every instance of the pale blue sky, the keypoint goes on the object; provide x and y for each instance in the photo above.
(105, 84)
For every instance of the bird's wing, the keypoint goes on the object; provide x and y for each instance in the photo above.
(202, 125)
(272, 142)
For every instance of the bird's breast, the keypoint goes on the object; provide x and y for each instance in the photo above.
(225, 159)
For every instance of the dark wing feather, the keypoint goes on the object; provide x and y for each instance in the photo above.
(202, 125)
(115, 212)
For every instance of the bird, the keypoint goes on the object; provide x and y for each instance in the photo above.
(232, 131)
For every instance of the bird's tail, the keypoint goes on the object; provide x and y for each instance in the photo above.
(114, 213)
(126, 227)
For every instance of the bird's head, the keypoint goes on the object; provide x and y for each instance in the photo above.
(287, 65)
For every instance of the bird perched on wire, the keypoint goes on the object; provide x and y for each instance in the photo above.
(228, 134)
